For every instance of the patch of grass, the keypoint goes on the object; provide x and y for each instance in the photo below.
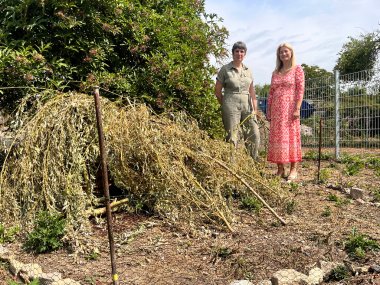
(251, 204)
(358, 244)
(376, 195)
(374, 163)
(291, 206)
(223, 252)
(324, 175)
(34, 282)
(332, 197)
(8, 235)
(338, 201)
(339, 273)
(326, 212)
(93, 255)
(47, 234)
(293, 186)
(313, 154)
(354, 164)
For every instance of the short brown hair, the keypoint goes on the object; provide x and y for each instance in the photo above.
(239, 45)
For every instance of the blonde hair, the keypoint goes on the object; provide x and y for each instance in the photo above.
(279, 63)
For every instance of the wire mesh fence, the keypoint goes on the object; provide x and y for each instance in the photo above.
(349, 107)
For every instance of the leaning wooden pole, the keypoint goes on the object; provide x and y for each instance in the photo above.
(103, 156)
(248, 186)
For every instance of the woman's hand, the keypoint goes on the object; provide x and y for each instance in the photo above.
(296, 114)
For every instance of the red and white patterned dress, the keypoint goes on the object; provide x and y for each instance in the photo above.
(284, 134)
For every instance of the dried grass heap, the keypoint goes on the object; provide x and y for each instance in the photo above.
(162, 161)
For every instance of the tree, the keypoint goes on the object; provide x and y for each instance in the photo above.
(319, 82)
(359, 53)
(314, 71)
(262, 90)
(156, 51)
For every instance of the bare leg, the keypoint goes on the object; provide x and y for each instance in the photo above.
(293, 170)
(280, 169)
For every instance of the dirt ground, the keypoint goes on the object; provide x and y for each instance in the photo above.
(151, 251)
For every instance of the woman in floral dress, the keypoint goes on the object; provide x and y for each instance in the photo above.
(284, 104)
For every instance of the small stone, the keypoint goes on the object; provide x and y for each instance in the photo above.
(374, 269)
(288, 277)
(315, 276)
(49, 278)
(31, 270)
(241, 282)
(327, 267)
(4, 253)
(15, 266)
(356, 193)
(360, 201)
(66, 281)
(265, 282)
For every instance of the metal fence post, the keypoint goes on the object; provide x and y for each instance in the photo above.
(337, 117)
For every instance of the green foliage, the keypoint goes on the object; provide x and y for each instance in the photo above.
(314, 155)
(8, 235)
(338, 201)
(353, 164)
(339, 273)
(47, 233)
(157, 52)
(223, 252)
(93, 255)
(251, 204)
(332, 197)
(376, 196)
(324, 175)
(291, 206)
(358, 244)
(293, 186)
(314, 71)
(262, 91)
(326, 212)
(359, 53)
(374, 163)
(34, 282)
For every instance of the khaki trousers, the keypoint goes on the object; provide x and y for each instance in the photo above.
(237, 115)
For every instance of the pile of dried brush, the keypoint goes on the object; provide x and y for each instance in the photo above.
(165, 162)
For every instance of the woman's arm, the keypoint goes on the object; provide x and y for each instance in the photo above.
(269, 99)
(218, 91)
(300, 88)
(252, 93)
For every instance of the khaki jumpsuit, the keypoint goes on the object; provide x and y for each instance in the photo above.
(237, 107)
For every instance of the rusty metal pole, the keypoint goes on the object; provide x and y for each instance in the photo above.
(103, 158)
(319, 148)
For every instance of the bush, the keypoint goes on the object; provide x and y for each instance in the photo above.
(157, 52)
(251, 203)
(47, 233)
(358, 244)
(8, 235)
(339, 273)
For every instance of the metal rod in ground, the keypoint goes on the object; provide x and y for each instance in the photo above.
(319, 149)
(103, 159)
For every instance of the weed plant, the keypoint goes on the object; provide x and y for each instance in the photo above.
(339, 273)
(47, 233)
(357, 245)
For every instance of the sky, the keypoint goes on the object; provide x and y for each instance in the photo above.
(317, 29)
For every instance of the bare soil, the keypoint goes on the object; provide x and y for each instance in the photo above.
(152, 251)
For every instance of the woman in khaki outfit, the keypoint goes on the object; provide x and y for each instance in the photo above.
(239, 104)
